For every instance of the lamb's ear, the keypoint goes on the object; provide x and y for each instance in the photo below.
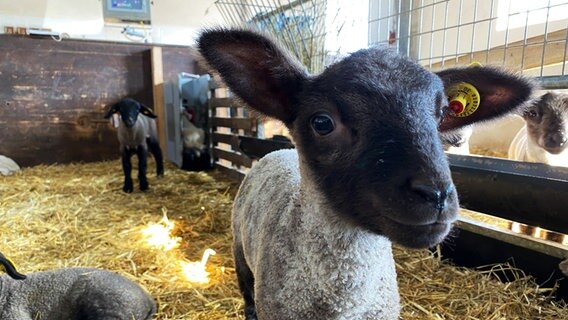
(10, 268)
(147, 112)
(256, 69)
(500, 93)
(112, 110)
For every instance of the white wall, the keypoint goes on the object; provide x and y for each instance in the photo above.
(173, 21)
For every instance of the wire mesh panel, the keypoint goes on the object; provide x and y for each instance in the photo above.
(299, 24)
(529, 36)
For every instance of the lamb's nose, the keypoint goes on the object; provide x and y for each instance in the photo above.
(437, 196)
(557, 139)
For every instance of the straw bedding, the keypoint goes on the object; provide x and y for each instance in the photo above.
(77, 215)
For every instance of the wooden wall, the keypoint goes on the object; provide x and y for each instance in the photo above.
(53, 95)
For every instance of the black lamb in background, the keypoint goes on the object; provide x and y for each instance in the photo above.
(137, 133)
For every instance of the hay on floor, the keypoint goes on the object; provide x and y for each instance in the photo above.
(77, 215)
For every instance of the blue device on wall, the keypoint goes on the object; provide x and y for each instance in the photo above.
(127, 10)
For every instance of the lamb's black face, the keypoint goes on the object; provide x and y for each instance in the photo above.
(367, 128)
(547, 122)
(376, 150)
(129, 111)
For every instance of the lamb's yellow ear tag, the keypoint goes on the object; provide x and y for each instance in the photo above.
(463, 99)
(475, 64)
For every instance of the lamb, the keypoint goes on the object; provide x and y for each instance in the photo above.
(136, 133)
(563, 266)
(72, 293)
(193, 137)
(458, 142)
(312, 226)
(544, 137)
(8, 166)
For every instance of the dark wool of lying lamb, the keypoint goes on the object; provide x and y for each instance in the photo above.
(71, 294)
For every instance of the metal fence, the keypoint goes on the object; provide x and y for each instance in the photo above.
(525, 36)
(298, 24)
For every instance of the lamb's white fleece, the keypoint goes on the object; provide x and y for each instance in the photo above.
(308, 262)
(522, 148)
(8, 166)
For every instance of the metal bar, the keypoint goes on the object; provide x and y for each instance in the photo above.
(490, 30)
(545, 39)
(525, 41)
(419, 50)
(279, 9)
(554, 82)
(526, 241)
(392, 21)
(472, 48)
(432, 36)
(507, 32)
(565, 50)
(446, 29)
(404, 27)
(531, 193)
(394, 15)
(459, 26)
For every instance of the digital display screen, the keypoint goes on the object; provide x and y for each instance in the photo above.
(135, 5)
(127, 10)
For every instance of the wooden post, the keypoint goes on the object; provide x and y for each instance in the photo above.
(158, 94)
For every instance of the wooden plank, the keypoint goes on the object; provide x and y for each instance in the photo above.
(233, 123)
(230, 139)
(514, 53)
(236, 158)
(158, 94)
(256, 148)
(227, 102)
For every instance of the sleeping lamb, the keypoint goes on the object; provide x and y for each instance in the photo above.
(8, 166)
(313, 227)
(72, 294)
(136, 133)
(544, 137)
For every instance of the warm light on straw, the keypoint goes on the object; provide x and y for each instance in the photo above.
(159, 234)
(195, 271)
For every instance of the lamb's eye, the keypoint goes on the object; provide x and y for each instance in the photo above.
(323, 124)
(531, 113)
